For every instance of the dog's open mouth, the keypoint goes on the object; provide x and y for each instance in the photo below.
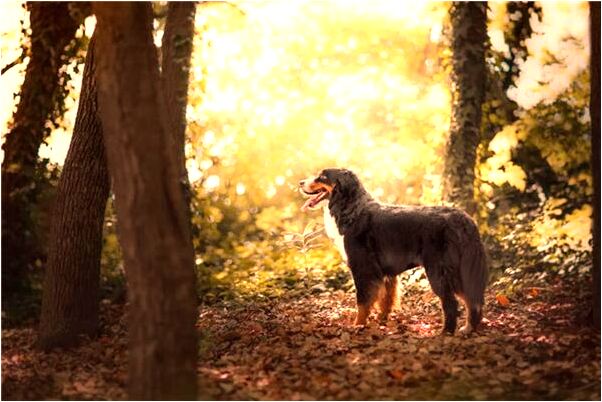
(314, 198)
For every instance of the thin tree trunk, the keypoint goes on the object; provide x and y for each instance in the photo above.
(52, 29)
(595, 116)
(71, 287)
(515, 35)
(176, 52)
(154, 233)
(469, 35)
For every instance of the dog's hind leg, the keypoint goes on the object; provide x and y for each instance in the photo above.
(450, 311)
(474, 314)
(387, 297)
(442, 288)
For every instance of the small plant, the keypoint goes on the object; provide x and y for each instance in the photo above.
(303, 242)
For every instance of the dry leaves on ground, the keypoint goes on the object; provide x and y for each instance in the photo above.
(306, 348)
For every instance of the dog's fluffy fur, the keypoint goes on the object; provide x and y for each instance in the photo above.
(381, 241)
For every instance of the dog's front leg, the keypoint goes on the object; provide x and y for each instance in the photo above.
(366, 291)
(366, 273)
(387, 297)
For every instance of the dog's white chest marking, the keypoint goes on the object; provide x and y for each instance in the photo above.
(332, 231)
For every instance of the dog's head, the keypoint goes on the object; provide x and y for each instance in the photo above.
(327, 184)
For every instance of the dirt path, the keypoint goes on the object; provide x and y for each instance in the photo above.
(304, 348)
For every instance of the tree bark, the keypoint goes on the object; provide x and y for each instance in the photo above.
(469, 35)
(71, 287)
(176, 52)
(594, 16)
(52, 29)
(517, 31)
(153, 230)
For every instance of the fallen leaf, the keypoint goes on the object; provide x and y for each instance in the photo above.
(502, 300)
(396, 374)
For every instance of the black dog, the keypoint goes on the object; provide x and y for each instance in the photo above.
(381, 241)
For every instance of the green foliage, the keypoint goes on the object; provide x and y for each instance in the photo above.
(264, 269)
(256, 253)
(543, 156)
(37, 222)
(561, 129)
(535, 242)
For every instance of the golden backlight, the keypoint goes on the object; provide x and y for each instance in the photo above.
(282, 89)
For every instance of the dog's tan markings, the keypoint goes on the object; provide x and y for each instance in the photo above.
(327, 187)
(467, 327)
(316, 191)
(387, 297)
(318, 186)
(363, 311)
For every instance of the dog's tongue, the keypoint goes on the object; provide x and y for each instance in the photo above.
(311, 202)
(308, 204)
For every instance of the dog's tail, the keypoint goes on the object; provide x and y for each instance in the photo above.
(473, 267)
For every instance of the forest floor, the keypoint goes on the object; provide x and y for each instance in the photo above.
(533, 345)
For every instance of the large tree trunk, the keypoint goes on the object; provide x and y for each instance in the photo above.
(594, 16)
(469, 35)
(154, 233)
(52, 29)
(70, 297)
(70, 308)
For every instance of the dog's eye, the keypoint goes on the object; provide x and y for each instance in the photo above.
(323, 178)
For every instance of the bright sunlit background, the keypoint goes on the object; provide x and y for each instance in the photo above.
(280, 89)
(288, 88)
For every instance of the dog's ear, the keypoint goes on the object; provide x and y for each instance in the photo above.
(346, 181)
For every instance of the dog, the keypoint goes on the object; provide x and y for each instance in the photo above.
(380, 241)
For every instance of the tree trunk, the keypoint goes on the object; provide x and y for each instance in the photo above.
(176, 52)
(52, 29)
(154, 233)
(469, 35)
(70, 297)
(517, 31)
(594, 106)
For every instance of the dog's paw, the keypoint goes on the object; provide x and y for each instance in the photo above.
(383, 318)
(466, 330)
